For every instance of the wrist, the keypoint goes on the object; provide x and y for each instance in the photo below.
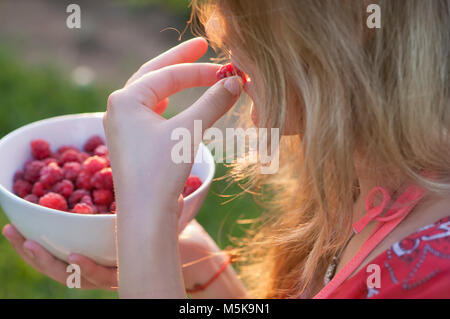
(199, 275)
(201, 287)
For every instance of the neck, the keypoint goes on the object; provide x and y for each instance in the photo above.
(367, 182)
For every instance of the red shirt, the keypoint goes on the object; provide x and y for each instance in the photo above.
(416, 267)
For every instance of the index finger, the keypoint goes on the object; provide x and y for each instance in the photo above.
(157, 85)
(188, 51)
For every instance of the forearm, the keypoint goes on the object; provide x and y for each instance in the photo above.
(148, 258)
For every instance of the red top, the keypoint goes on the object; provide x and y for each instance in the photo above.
(416, 267)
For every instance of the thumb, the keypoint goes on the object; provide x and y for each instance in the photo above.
(214, 103)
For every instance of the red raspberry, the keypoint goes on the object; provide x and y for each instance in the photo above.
(94, 164)
(53, 200)
(64, 188)
(18, 175)
(103, 179)
(40, 149)
(83, 156)
(87, 199)
(101, 150)
(71, 170)
(51, 174)
(38, 189)
(64, 148)
(113, 208)
(84, 180)
(101, 209)
(192, 184)
(69, 156)
(106, 157)
(103, 197)
(50, 160)
(31, 198)
(22, 187)
(82, 208)
(92, 143)
(230, 70)
(33, 170)
(76, 196)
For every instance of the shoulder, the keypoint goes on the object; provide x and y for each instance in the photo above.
(418, 266)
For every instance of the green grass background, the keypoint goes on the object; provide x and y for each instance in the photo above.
(28, 94)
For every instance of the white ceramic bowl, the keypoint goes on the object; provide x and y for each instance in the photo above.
(63, 233)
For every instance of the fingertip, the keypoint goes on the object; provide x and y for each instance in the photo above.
(7, 230)
(199, 39)
(233, 85)
(74, 258)
(10, 232)
(205, 42)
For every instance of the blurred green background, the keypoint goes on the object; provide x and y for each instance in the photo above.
(34, 88)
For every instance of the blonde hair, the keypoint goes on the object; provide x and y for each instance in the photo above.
(380, 93)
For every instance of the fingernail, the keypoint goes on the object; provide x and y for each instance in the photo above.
(28, 251)
(7, 232)
(72, 258)
(233, 85)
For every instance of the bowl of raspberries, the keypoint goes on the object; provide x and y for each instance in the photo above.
(56, 186)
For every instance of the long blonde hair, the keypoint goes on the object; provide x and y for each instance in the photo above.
(380, 93)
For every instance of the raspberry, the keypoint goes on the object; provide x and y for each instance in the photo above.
(84, 180)
(50, 160)
(83, 156)
(22, 187)
(101, 150)
(230, 70)
(86, 199)
(192, 184)
(71, 170)
(69, 156)
(102, 209)
(31, 198)
(64, 148)
(76, 196)
(33, 170)
(106, 157)
(40, 149)
(82, 208)
(38, 189)
(103, 179)
(64, 188)
(92, 143)
(51, 174)
(94, 164)
(18, 175)
(113, 208)
(103, 197)
(53, 200)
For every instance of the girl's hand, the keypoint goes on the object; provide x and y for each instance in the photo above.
(195, 245)
(140, 140)
(93, 276)
(148, 179)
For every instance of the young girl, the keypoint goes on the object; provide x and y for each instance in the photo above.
(359, 207)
